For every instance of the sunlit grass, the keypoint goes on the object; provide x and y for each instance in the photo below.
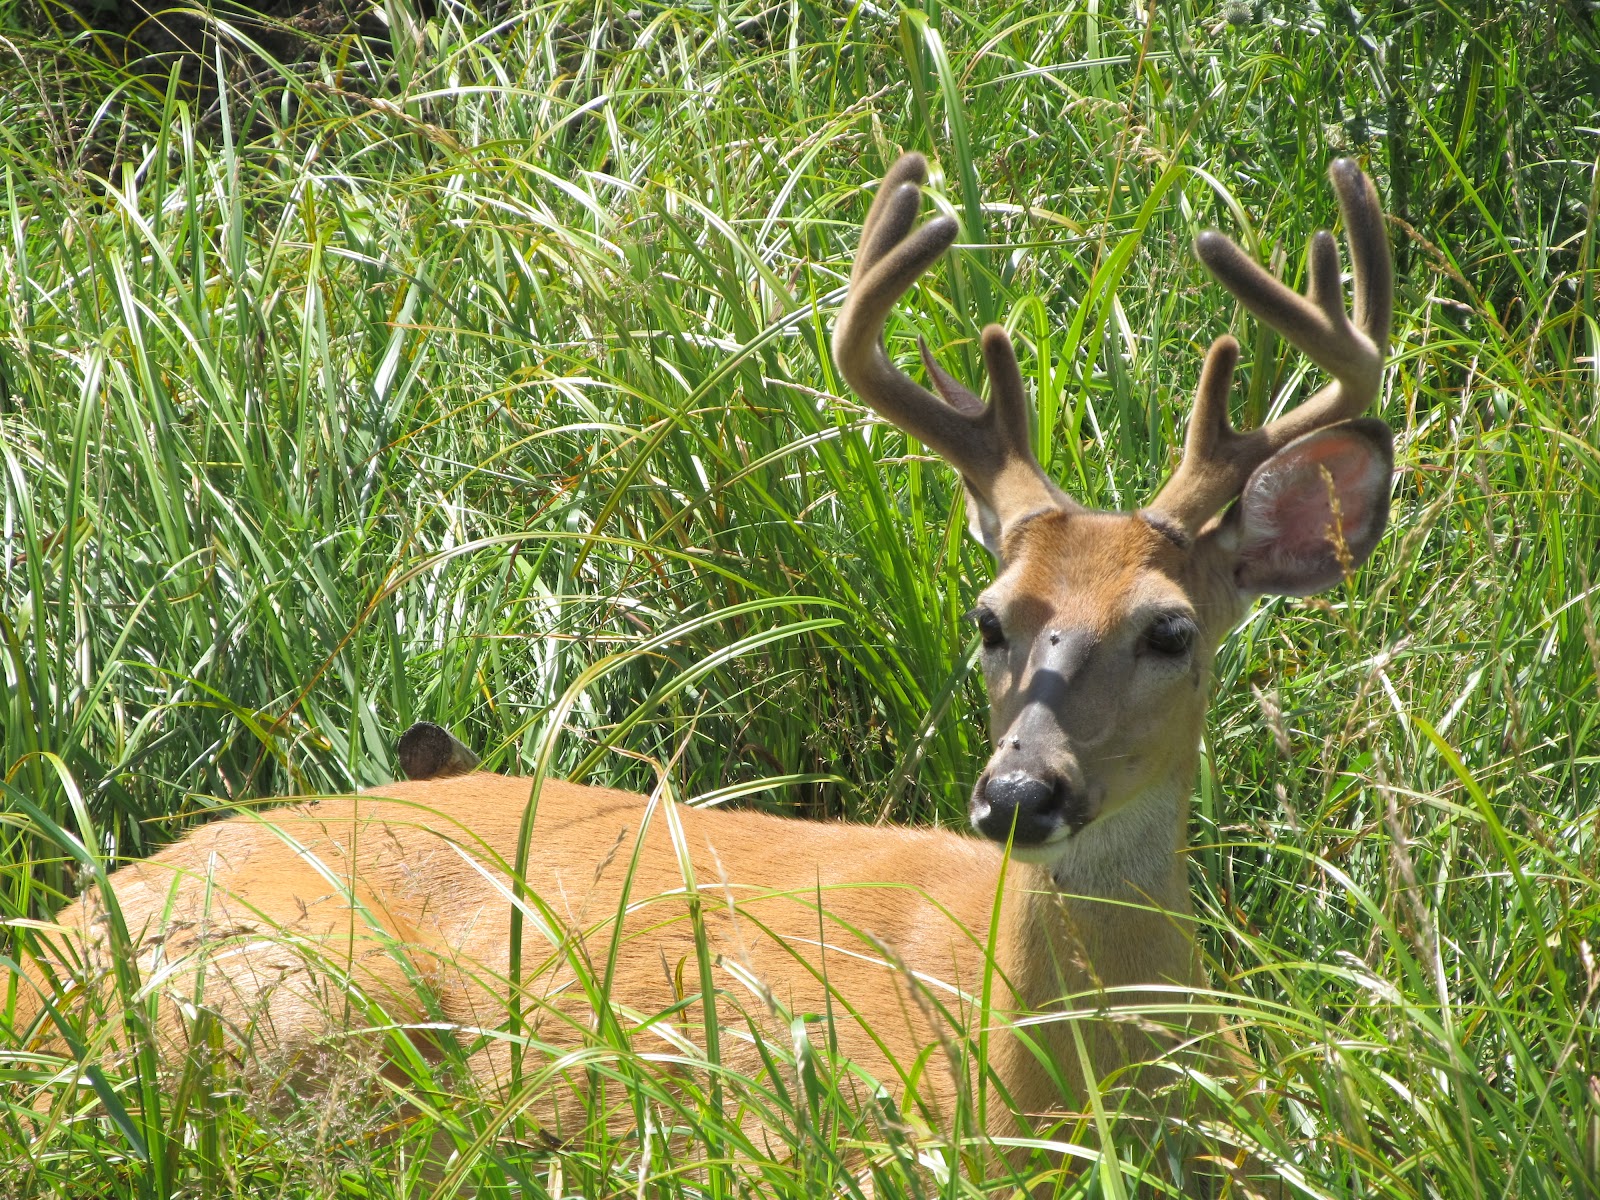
(440, 382)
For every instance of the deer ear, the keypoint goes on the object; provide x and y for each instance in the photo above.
(983, 523)
(1312, 511)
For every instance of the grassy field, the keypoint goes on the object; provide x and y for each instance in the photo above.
(483, 380)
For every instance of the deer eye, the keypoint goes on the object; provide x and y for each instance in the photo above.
(988, 627)
(1169, 636)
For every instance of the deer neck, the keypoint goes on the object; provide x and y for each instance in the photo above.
(1113, 912)
(1130, 855)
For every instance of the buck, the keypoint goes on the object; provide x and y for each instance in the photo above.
(1098, 637)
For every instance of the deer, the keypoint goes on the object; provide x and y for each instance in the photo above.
(1067, 903)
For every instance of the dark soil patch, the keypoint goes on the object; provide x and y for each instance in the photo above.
(149, 37)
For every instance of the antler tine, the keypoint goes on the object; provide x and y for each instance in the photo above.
(989, 444)
(893, 212)
(1217, 461)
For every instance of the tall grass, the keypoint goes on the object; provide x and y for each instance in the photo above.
(420, 380)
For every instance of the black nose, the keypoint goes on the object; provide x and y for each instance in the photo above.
(1024, 806)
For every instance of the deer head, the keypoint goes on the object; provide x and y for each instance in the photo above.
(1100, 629)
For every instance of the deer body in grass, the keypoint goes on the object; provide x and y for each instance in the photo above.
(1098, 636)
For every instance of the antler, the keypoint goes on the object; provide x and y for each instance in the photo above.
(989, 444)
(1217, 460)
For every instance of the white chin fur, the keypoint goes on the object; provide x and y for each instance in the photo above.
(1046, 852)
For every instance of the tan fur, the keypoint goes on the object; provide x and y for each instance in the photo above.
(407, 888)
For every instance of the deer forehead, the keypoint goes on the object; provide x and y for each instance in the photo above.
(1088, 570)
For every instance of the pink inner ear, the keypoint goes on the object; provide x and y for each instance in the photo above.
(1292, 500)
(1286, 512)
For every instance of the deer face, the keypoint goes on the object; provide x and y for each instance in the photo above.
(1100, 630)
(1098, 636)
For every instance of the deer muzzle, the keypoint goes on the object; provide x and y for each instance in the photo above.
(1032, 792)
(1027, 806)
